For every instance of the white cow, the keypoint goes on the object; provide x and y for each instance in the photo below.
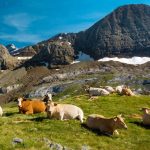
(64, 111)
(107, 126)
(97, 91)
(119, 89)
(109, 89)
(1, 111)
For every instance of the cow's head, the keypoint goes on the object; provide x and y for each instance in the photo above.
(20, 99)
(145, 110)
(47, 98)
(119, 122)
(51, 107)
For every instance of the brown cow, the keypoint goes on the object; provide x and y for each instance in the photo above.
(27, 106)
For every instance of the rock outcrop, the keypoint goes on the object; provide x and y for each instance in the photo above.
(6, 60)
(53, 54)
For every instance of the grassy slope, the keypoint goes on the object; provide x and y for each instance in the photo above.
(34, 128)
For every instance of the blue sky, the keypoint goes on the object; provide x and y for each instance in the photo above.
(26, 22)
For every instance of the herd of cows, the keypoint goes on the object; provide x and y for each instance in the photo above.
(106, 126)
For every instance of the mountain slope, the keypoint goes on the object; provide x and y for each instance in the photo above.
(125, 32)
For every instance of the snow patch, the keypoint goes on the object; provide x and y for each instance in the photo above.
(74, 62)
(23, 58)
(132, 61)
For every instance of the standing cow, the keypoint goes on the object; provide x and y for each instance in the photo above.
(64, 111)
(107, 126)
(27, 106)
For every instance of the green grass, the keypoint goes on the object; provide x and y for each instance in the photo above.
(33, 128)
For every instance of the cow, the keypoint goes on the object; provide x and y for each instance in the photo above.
(1, 111)
(107, 126)
(64, 111)
(47, 98)
(97, 91)
(27, 106)
(119, 88)
(146, 116)
(127, 91)
(109, 89)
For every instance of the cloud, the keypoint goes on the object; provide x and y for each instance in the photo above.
(21, 37)
(20, 21)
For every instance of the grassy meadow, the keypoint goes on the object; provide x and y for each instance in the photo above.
(33, 129)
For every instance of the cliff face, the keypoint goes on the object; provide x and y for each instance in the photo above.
(125, 32)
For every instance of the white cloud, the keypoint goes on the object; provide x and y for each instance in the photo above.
(20, 21)
(21, 37)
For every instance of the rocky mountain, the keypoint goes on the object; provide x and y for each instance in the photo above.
(6, 60)
(124, 33)
(12, 49)
(53, 53)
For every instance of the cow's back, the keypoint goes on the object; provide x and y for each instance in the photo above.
(70, 111)
(38, 106)
(95, 121)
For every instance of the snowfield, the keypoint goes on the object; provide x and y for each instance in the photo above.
(132, 61)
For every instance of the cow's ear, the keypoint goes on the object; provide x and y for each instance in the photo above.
(120, 115)
(55, 104)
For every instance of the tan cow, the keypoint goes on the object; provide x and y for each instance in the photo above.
(127, 91)
(146, 116)
(27, 106)
(64, 111)
(107, 126)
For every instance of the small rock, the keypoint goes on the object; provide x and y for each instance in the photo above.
(17, 141)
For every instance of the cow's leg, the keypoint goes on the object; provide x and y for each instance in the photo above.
(61, 117)
(80, 118)
(30, 111)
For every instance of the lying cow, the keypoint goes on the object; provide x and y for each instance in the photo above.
(27, 106)
(109, 89)
(119, 89)
(107, 126)
(127, 91)
(97, 91)
(64, 111)
(1, 111)
(146, 116)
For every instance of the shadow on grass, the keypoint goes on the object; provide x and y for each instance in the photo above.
(11, 113)
(38, 119)
(96, 131)
(140, 124)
